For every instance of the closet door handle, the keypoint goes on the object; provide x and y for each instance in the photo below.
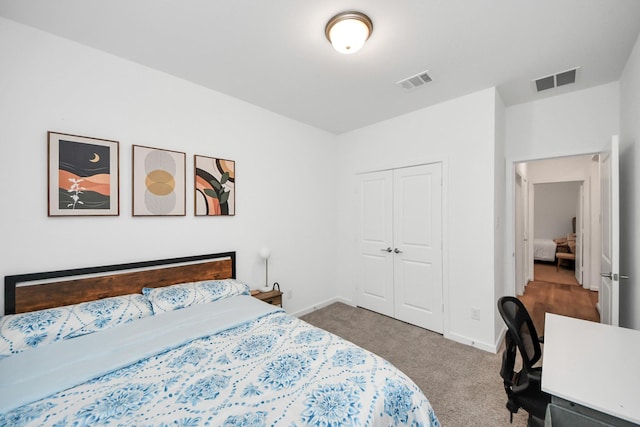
(396, 250)
(386, 250)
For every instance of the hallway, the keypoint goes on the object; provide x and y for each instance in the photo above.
(558, 293)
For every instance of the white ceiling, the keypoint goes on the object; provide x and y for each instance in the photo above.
(274, 53)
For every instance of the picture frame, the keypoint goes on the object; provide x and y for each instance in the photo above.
(215, 186)
(158, 182)
(83, 176)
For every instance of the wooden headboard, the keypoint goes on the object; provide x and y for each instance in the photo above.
(37, 291)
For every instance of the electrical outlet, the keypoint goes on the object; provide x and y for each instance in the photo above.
(475, 313)
(290, 294)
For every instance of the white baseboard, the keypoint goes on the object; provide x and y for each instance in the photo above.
(320, 305)
(503, 333)
(491, 348)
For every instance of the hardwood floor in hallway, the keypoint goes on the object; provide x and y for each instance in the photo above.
(555, 294)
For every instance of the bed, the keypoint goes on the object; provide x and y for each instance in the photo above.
(181, 342)
(544, 250)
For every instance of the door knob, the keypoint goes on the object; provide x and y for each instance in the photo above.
(386, 250)
(614, 276)
(398, 251)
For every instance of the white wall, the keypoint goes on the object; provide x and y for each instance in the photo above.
(572, 124)
(566, 125)
(554, 206)
(285, 194)
(461, 133)
(499, 211)
(630, 190)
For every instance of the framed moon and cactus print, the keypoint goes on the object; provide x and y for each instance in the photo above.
(83, 176)
(215, 182)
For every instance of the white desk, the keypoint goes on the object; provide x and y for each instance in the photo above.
(593, 365)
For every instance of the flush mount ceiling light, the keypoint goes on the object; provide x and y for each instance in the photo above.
(347, 31)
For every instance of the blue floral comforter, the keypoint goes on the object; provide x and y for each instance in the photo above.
(269, 370)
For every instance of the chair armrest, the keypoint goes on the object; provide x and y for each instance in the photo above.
(535, 375)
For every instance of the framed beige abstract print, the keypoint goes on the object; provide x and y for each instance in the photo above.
(158, 182)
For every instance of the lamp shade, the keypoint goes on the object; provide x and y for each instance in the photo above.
(348, 31)
(265, 253)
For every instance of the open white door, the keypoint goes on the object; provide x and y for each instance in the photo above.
(579, 235)
(527, 270)
(609, 299)
(530, 200)
(521, 241)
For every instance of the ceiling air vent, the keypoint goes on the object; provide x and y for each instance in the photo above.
(415, 81)
(555, 80)
(545, 83)
(566, 77)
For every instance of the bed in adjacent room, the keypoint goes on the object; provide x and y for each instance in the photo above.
(180, 342)
(544, 250)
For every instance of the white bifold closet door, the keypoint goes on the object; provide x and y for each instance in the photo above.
(400, 244)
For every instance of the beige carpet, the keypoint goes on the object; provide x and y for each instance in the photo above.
(462, 383)
(543, 272)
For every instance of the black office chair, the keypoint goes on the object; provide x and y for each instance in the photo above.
(523, 387)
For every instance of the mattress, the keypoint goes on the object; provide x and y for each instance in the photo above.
(232, 362)
(544, 250)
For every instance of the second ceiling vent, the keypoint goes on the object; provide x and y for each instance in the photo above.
(555, 80)
(415, 81)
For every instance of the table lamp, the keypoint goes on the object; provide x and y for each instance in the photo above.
(265, 253)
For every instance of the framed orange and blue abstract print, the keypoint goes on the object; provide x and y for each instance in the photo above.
(83, 176)
(158, 182)
(215, 182)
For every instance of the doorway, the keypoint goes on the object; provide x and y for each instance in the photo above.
(558, 229)
(530, 175)
(574, 182)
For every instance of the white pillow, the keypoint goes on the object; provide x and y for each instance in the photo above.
(183, 295)
(19, 332)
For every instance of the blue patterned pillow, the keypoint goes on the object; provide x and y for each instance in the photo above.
(19, 332)
(183, 295)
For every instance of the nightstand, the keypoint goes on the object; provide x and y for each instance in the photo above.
(272, 297)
